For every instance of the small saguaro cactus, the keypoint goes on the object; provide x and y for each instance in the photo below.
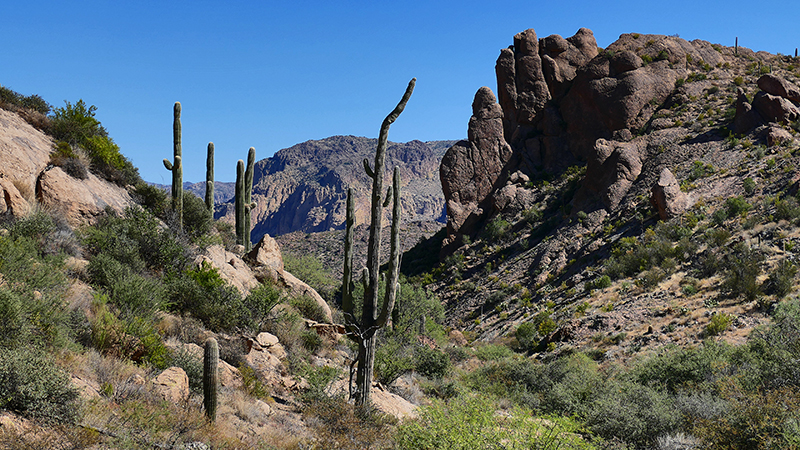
(363, 331)
(210, 378)
(210, 178)
(736, 48)
(176, 167)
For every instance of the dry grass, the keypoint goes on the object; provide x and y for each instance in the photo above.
(26, 189)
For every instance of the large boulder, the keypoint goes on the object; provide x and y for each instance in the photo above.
(11, 200)
(775, 85)
(79, 201)
(611, 170)
(667, 197)
(470, 169)
(774, 108)
(173, 385)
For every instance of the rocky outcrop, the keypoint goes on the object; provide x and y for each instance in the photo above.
(26, 177)
(611, 170)
(470, 169)
(776, 102)
(173, 385)
(667, 197)
(303, 188)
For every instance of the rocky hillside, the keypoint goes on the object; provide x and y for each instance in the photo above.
(555, 200)
(303, 188)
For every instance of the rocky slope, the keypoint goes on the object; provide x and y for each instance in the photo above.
(303, 188)
(582, 152)
(27, 178)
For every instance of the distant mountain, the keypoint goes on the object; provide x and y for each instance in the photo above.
(303, 187)
(223, 192)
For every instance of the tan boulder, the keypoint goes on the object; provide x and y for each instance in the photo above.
(231, 268)
(667, 196)
(173, 385)
(393, 404)
(266, 256)
(80, 201)
(11, 200)
(298, 288)
(24, 150)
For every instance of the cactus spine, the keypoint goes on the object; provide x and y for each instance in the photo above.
(363, 332)
(210, 178)
(210, 381)
(176, 167)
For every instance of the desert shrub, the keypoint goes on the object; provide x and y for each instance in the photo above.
(392, 359)
(77, 126)
(781, 280)
(152, 199)
(310, 269)
(527, 336)
(743, 266)
(308, 308)
(677, 369)
(737, 206)
(192, 365)
(33, 385)
(471, 423)
(197, 219)
(602, 282)
(763, 420)
(430, 362)
(496, 229)
(493, 352)
(717, 237)
(310, 340)
(10, 98)
(787, 209)
(74, 163)
(203, 293)
(341, 425)
(770, 356)
(718, 324)
(749, 186)
(634, 413)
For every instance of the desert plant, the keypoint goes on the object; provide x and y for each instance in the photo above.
(243, 199)
(210, 178)
(33, 385)
(176, 167)
(781, 280)
(210, 378)
(743, 266)
(363, 331)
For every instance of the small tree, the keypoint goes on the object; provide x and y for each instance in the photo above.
(363, 331)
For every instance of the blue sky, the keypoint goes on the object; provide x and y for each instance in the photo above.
(272, 74)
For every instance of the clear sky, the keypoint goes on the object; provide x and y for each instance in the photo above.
(270, 74)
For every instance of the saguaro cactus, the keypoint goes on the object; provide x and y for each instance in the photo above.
(176, 167)
(210, 375)
(243, 199)
(249, 205)
(239, 202)
(210, 178)
(363, 331)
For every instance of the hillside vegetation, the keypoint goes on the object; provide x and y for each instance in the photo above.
(564, 324)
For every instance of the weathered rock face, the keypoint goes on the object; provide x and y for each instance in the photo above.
(470, 169)
(667, 196)
(26, 177)
(776, 102)
(304, 187)
(559, 96)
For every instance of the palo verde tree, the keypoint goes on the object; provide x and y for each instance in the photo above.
(363, 331)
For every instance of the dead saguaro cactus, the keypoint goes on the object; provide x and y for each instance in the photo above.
(176, 167)
(363, 331)
(210, 378)
(210, 178)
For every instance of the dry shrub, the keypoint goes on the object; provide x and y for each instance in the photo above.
(35, 437)
(338, 424)
(26, 190)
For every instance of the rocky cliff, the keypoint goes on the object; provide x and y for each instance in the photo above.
(302, 188)
(564, 102)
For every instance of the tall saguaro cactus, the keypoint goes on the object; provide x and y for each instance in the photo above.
(249, 205)
(243, 199)
(176, 167)
(210, 178)
(363, 331)
(210, 375)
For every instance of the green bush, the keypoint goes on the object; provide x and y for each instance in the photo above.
(310, 269)
(527, 336)
(743, 266)
(33, 385)
(781, 281)
(206, 296)
(309, 308)
(77, 126)
(392, 359)
(197, 219)
(431, 362)
(718, 324)
(471, 423)
(749, 185)
(496, 229)
(737, 206)
(152, 199)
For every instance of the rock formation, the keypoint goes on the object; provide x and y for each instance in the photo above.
(26, 177)
(563, 102)
(667, 197)
(470, 168)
